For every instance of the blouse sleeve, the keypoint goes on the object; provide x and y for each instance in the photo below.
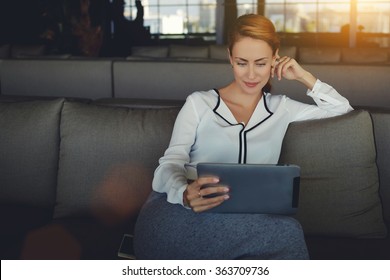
(328, 101)
(170, 176)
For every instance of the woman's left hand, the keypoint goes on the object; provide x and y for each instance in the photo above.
(288, 68)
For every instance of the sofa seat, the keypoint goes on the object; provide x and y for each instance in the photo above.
(74, 176)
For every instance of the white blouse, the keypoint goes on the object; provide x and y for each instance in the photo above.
(206, 131)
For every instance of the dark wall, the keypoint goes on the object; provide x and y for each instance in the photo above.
(50, 22)
(77, 27)
(21, 20)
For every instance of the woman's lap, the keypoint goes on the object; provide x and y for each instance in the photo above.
(169, 231)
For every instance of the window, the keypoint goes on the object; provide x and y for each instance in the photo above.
(328, 15)
(183, 18)
(369, 18)
(246, 7)
(176, 17)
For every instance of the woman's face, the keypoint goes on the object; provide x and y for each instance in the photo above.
(251, 60)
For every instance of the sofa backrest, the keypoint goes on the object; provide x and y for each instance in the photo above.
(107, 159)
(57, 78)
(360, 84)
(29, 141)
(363, 85)
(167, 80)
(340, 185)
(381, 124)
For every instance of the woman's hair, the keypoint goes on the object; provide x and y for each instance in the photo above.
(256, 27)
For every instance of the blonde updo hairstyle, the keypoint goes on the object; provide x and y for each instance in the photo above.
(256, 27)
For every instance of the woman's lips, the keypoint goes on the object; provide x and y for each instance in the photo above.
(251, 85)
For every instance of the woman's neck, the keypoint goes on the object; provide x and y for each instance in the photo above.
(241, 105)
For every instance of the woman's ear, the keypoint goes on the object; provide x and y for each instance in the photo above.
(276, 55)
(230, 57)
(275, 58)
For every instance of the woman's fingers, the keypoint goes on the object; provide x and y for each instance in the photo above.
(204, 204)
(201, 197)
(193, 189)
(282, 65)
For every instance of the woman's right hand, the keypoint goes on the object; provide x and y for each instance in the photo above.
(197, 198)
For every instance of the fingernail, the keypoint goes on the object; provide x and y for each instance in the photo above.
(226, 197)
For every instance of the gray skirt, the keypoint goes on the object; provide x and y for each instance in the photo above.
(170, 231)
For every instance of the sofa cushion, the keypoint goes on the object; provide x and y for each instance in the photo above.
(150, 51)
(381, 120)
(29, 141)
(5, 51)
(107, 159)
(290, 51)
(180, 51)
(364, 55)
(76, 78)
(319, 55)
(219, 52)
(175, 80)
(339, 177)
(24, 51)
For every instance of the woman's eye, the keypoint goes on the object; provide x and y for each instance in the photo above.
(241, 63)
(260, 64)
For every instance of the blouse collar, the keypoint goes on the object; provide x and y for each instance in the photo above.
(260, 114)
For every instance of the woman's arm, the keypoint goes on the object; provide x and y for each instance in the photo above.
(329, 102)
(170, 176)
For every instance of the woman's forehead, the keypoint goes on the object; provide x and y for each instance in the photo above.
(247, 46)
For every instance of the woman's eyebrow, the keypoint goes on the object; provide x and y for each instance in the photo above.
(257, 60)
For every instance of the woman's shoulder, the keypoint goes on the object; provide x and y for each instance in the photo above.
(276, 102)
(208, 97)
(204, 94)
(274, 98)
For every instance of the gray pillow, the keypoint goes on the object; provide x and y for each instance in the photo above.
(107, 159)
(339, 177)
(29, 140)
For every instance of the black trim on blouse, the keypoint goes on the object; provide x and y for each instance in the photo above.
(243, 133)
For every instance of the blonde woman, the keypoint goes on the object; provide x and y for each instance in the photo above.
(239, 123)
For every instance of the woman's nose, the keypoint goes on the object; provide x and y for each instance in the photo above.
(251, 72)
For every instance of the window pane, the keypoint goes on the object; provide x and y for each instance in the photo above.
(300, 18)
(332, 17)
(275, 13)
(245, 1)
(152, 20)
(193, 20)
(201, 2)
(172, 2)
(246, 9)
(205, 22)
(315, 1)
(173, 19)
(374, 17)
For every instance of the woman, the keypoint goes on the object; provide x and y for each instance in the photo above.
(238, 123)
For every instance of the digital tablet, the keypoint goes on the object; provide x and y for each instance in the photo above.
(256, 188)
